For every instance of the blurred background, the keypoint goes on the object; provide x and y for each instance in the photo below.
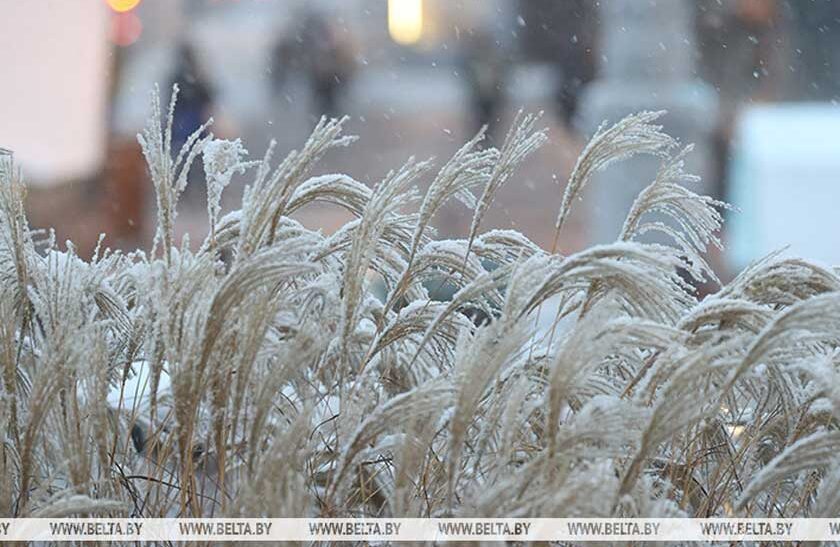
(753, 83)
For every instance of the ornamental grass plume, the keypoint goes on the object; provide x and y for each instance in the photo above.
(262, 376)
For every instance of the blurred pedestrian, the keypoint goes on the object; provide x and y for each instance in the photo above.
(195, 95)
(322, 54)
(741, 53)
(194, 107)
(576, 28)
(485, 65)
(562, 34)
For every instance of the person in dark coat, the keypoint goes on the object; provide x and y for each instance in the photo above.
(562, 33)
(741, 47)
(576, 29)
(195, 96)
(485, 67)
(194, 107)
(320, 52)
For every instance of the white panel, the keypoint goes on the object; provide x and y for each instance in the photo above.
(53, 86)
(786, 181)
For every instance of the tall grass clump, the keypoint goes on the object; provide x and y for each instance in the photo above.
(261, 375)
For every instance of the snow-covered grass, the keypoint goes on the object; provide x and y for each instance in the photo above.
(261, 376)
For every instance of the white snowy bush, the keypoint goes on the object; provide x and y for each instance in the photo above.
(261, 376)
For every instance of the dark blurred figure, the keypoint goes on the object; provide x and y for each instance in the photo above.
(742, 47)
(485, 66)
(322, 55)
(563, 33)
(816, 25)
(195, 96)
(194, 107)
(576, 58)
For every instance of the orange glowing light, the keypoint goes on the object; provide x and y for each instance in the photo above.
(121, 6)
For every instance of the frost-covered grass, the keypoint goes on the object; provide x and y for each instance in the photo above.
(260, 376)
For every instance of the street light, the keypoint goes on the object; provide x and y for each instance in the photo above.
(405, 21)
(122, 6)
